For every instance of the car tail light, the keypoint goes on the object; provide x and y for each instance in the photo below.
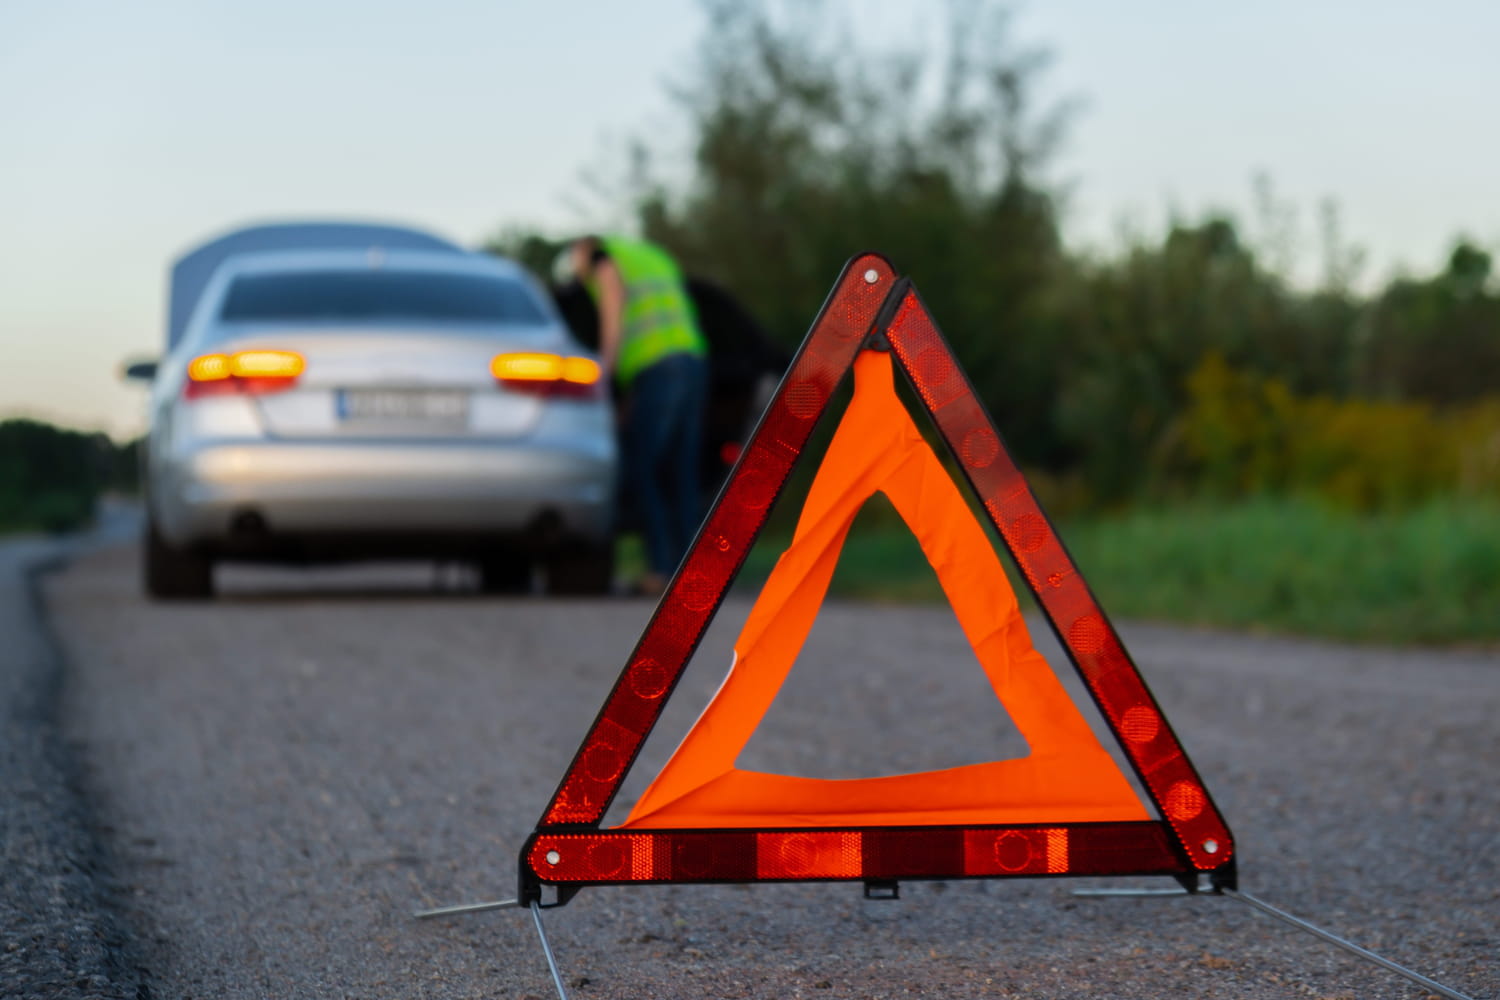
(242, 371)
(548, 374)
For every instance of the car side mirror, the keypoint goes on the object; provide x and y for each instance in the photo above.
(143, 371)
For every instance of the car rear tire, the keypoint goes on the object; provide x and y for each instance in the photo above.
(581, 569)
(173, 573)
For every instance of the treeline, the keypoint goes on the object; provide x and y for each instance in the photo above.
(1183, 365)
(51, 478)
(1189, 368)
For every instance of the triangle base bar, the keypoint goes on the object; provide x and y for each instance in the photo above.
(616, 857)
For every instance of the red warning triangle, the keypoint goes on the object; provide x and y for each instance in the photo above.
(1064, 808)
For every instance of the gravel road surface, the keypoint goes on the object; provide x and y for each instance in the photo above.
(58, 936)
(281, 776)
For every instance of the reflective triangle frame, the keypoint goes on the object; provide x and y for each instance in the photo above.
(871, 307)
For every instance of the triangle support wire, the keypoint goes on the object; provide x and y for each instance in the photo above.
(541, 934)
(1338, 942)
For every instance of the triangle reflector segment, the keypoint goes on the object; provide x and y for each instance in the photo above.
(1064, 808)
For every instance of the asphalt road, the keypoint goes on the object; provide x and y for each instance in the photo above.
(58, 936)
(280, 777)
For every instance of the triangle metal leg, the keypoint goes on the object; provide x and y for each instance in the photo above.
(449, 911)
(536, 916)
(1302, 925)
(1349, 946)
(505, 904)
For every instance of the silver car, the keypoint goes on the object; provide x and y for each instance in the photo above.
(377, 401)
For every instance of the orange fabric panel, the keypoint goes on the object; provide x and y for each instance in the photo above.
(1067, 776)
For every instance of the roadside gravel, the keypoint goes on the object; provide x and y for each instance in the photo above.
(58, 937)
(285, 774)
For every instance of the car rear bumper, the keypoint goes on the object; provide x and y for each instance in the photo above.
(233, 494)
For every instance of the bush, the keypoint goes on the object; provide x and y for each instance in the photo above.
(1247, 435)
(50, 477)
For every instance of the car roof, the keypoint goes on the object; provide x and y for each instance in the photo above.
(375, 258)
(192, 271)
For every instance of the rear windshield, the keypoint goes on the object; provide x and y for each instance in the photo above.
(333, 296)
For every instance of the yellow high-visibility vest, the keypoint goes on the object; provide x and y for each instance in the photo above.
(659, 320)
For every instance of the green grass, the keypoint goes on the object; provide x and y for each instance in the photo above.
(1430, 575)
(1426, 575)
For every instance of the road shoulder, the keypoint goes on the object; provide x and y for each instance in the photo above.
(60, 934)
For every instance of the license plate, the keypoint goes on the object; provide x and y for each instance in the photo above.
(414, 406)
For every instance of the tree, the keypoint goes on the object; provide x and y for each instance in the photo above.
(1436, 340)
(809, 148)
(1138, 326)
(50, 477)
(808, 145)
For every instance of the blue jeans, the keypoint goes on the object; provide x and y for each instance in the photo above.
(661, 438)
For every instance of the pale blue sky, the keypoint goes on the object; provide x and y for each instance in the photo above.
(128, 132)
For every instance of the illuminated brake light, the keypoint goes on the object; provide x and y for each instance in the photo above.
(209, 368)
(266, 364)
(526, 367)
(547, 374)
(243, 371)
(583, 371)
